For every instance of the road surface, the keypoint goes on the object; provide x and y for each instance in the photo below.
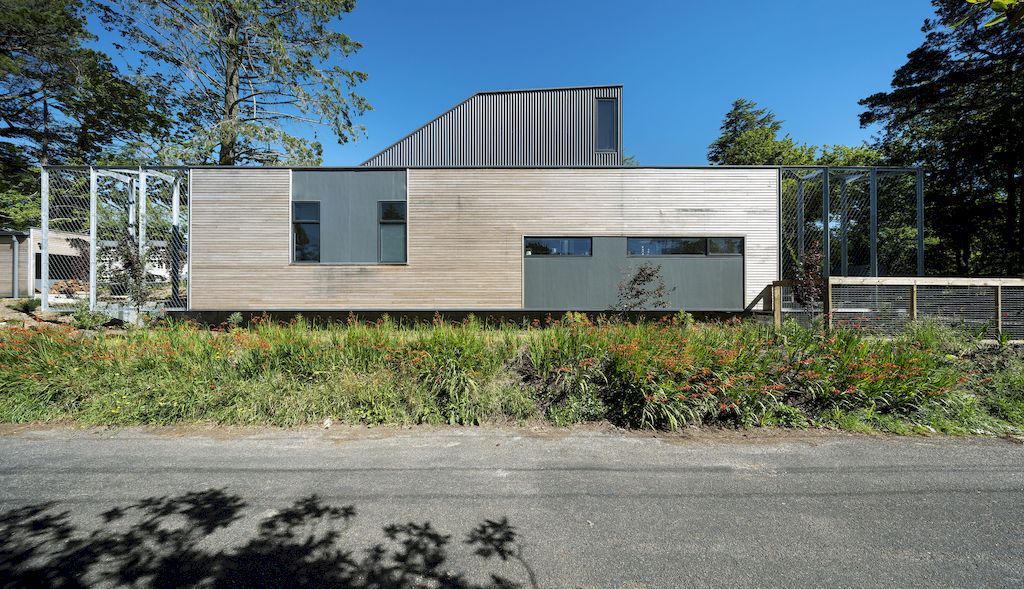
(506, 507)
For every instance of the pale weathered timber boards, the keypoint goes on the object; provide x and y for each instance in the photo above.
(465, 232)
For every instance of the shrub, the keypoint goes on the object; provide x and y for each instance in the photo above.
(27, 306)
(84, 318)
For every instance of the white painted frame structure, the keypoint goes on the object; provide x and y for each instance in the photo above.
(137, 181)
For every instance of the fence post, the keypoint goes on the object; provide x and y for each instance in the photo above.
(44, 246)
(93, 195)
(777, 305)
(999, 311)
(828, 303)
(913, 302)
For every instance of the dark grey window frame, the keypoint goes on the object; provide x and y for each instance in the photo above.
(382, 221)
(590, 250)
(616, 127)
(707, 246)
(307, 222)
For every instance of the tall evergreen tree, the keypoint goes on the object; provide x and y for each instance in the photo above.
(750, 137)
(957, 108)
(241, 73)
(60, 102)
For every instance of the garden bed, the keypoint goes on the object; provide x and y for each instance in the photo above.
(658, 375)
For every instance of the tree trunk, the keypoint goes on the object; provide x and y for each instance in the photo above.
(232, 64)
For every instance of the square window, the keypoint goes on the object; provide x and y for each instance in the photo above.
(306, 211)
(392, 212)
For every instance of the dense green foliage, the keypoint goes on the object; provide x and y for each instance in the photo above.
(60, 102)
(1009, 11)
(750, 137)
(957, 108)
(653, 375)
(212, 81)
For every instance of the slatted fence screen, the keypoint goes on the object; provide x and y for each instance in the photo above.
(988, 307)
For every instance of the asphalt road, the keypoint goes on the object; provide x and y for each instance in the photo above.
(485, 507)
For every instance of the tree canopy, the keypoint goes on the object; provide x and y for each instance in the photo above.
(956, 108)
(1010, 11)
(60, 102)
(238, 75)
(750, 137)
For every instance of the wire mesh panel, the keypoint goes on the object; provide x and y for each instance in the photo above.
(968, 307)
(166, 237)
(897, 224)
(849, 222)
(875, 308)
(62, 262)
(141, 230)
(1013, 312)
(801, 195)
(803, 313)
(871, 227)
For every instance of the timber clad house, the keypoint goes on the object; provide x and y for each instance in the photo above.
(511, 200)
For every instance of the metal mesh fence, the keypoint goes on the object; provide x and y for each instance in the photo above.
(875, 308)
(1013, 312)
(62, 262)
(801, 195)
(854, 228)
(981, 307)
(792, 309)
(140, 244)
(970, 307)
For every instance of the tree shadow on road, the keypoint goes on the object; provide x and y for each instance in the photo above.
(163, 542)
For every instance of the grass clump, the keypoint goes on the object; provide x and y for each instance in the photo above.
(27, 306)
(658, 375)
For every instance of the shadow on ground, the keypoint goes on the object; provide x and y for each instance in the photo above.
(159, 542)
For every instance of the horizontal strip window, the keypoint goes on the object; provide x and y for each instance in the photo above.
(684, 246)
(306, 231)
(558, 246)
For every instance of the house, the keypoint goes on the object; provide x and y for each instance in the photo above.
(511, 200)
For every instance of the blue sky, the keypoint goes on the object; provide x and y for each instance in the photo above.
(682, 63)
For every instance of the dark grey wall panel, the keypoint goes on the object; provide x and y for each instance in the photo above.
(703, 283)
(348, 209)
(547, 127)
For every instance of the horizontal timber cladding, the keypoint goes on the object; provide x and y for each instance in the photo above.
(466, 228)
(545, 127)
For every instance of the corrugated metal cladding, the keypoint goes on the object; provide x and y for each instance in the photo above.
(551, 127)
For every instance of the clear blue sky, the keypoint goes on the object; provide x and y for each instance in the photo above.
(682, 63)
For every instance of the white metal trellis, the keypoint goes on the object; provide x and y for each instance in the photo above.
(98, 224)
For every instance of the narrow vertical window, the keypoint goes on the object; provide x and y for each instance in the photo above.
(391, 232)
(306, 231)
(607, 124)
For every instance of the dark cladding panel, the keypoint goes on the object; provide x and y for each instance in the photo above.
(573, 127)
